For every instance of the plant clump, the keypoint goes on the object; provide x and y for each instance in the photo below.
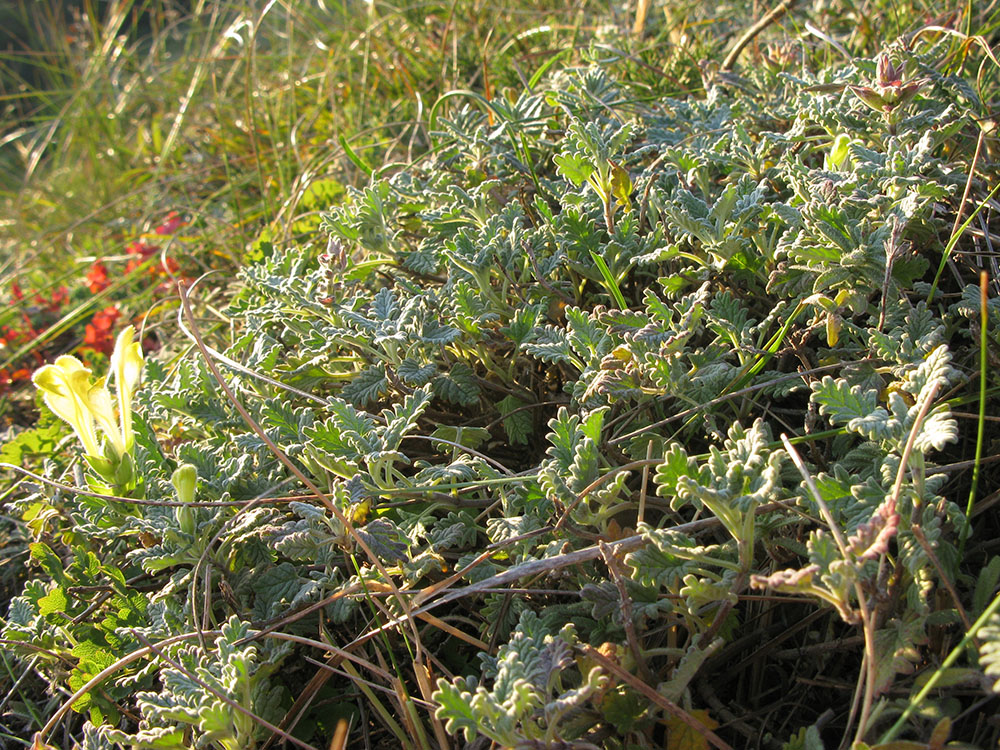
(612, 421)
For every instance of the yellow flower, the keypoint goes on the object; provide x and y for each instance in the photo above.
(126, 367)
(65, 387)
(69, 391)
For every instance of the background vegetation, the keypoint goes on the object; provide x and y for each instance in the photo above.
(561, 378)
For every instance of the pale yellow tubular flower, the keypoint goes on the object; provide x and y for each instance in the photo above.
(103, 409)
(126, 368)
(65, 386)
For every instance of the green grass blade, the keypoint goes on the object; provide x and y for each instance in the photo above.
(952, 657)
(980, 428)
(355, 158)
(954, 240)
(609, 280)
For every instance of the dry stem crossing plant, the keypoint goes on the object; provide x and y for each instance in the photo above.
(519, 399)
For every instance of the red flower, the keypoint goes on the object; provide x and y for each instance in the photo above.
(97, 335)
(142, 253)
(141, 249)
(105, 319)
(57, 300)
(171, 224)
(10, 335)
(97, 277)
(8, 378)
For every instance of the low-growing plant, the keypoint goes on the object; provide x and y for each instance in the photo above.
(614, 421)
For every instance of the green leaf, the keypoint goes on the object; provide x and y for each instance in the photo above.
(896, 649)
(93, 657)
(658, 565)
(877, 426)
(49, 561)
(414, 373)
(676, 464)
(586, 462)
(30, 443)
(552, 344)
(276, 587)
(565, 431)
(521, 325)
(989, 651)
(936, 368)
(386, 539)
(357, 426)
(519, 425)
(385, 306)
(456, 530)
(286, 419)
(402, 418)
(433, 332)
(470, 437)
(841, 402)
(986, 582)
(700, 591)
(367, 386)
(623, 708)
(457, 707)
(807, 738)
(458, 385)
(576, 168)
(937, 429)
(593, 423)
(53, 602)
(687, 668)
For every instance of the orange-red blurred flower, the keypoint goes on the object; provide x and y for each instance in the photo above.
(97, 277)
(171, 224)
(97, 335)
(142, 253)
(55, 302)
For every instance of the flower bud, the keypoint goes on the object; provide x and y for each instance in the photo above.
(840, 155)
(887, 74)
(872, 98)
(185, 481)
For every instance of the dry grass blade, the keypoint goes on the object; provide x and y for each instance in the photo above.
(547, 565)
(641, 12)
(235, 705)
(435, 621)
(306, 696)
(280, 455)
(766, 20)
(340, 734)
(626, 611)
(105, 673)
(192, 330)
(654, 697)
